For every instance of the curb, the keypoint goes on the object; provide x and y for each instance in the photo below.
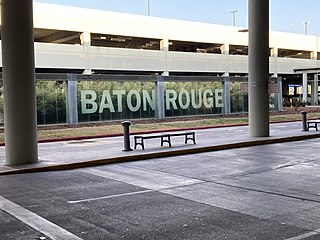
(163, 154)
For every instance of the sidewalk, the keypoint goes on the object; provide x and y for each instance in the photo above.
(98, 151)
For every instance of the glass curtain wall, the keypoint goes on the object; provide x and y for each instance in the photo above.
(193, 98)
(107, 98)
(115, 100)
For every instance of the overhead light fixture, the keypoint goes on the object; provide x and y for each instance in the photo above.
(118, 39)
(103, 38)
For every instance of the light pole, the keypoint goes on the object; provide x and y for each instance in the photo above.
(148, 7)
(306, 27)
(234, 17)
(292, 27)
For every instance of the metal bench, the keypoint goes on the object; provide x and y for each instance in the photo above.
(164, 138)
(313, 124)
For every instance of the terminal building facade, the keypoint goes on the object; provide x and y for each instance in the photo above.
(95, 65)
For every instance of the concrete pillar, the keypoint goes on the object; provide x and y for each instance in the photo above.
(304, 87)
(314, 55)
(258, 68)
(225, 49)
(160, 110)
(226, 93)
(19, 82)
(274, 52)
(164, 45)
(279, 95)
(315, 87)
(274, 61)
(85, 39)
(72, 101)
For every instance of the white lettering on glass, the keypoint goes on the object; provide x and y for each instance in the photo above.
(135, 100)
(88, 102)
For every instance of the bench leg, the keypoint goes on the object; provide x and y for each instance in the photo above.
(136, 143)
(312, 125)
(192, 138)
(309, 126)
(167, 139)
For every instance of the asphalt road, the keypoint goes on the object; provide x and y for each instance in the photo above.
(263, 192)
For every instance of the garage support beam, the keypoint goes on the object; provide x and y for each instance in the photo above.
(315, 90)
(19, 82)
(258, 68)
(304, 87)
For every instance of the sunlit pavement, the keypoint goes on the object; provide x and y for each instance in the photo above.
(90, 152)
(269, 191)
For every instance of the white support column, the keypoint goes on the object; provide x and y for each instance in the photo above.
(258, 68)
(164, 46)
(19, 82)
(274, 52)
(85, 39)
(226, 93)
(279, 95)
(274, 61)
(160, 110)
(304, 87)
(315, 87)
(225, 49)
(72, 101)
(314, 55)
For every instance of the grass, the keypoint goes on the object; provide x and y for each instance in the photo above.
(46, 132)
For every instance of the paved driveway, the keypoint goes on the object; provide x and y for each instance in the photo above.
(261, 192)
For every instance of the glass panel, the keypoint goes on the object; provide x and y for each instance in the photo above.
(113, 100)
(51, 102)
(238, 97)
(193, 98)
(273, 106)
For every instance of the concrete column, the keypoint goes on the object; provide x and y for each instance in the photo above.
(19, 82)
(164, 45)
(314, 55)
(304, 87)
(72, 101)
(258, 68)
(315, 87)
(279, 95)
(274, 61)
(226, 91)
(225, 49)
(85, 39)
(274, 52)
(160, 111)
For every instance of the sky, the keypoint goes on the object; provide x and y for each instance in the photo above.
(285, 15)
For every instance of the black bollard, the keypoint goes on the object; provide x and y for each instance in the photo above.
(304, 121)
(126, 135)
